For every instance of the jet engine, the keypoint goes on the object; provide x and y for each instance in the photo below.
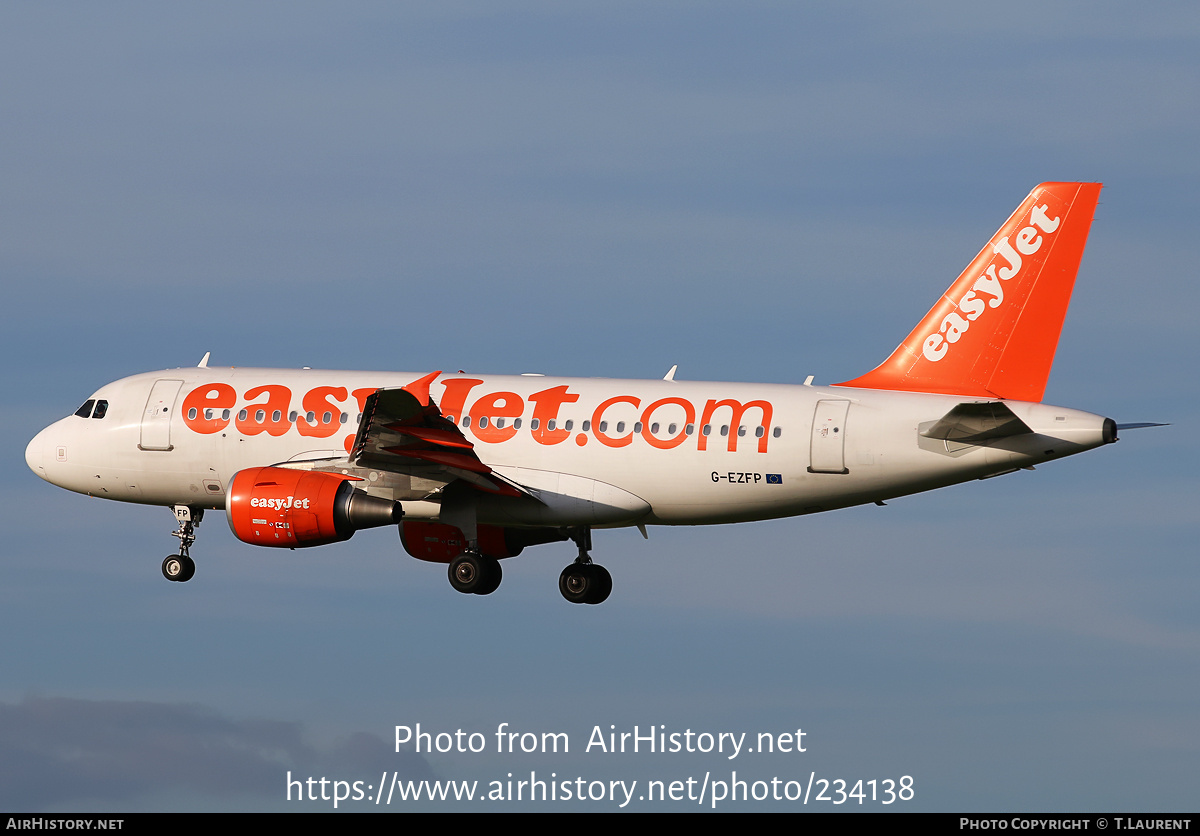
(276, 506)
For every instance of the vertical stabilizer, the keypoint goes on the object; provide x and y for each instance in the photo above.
(994, 332)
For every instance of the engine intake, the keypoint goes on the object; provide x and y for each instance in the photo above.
(276, 506)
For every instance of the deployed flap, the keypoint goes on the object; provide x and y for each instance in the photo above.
(974, 422)
(403, 431)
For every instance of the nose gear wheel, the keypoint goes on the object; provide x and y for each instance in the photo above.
(178, 567)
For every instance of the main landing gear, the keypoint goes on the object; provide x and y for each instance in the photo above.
(472, 572)
(584, 582)
(180, 567)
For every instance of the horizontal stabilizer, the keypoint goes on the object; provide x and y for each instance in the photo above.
(971, 423)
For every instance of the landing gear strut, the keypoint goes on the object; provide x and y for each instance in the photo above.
(584, 582)
(471, 572)
(180, 567)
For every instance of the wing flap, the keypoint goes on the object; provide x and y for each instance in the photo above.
(403, 431)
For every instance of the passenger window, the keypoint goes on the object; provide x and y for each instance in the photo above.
(567, 426)
(759, 432)
(85, 411)
(499, 423)
(192, 414)
(587, 426)
(724, 429)
(533, 423)
(775, 432)
(517, 423)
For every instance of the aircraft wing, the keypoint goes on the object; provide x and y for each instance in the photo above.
(403, 431)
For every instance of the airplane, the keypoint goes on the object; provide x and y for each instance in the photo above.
(474, 468)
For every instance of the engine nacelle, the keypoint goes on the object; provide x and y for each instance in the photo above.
(441, 543)
(276, 506)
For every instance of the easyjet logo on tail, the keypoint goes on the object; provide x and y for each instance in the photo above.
(994, 332)
(988, 290)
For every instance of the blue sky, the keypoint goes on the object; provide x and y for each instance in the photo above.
(753, 191)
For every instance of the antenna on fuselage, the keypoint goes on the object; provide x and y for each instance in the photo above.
(203, 364)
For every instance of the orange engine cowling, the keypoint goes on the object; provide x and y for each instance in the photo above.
(441, 543)
(276, 506)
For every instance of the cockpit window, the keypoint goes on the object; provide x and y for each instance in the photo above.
(101, 409)
(86, 410)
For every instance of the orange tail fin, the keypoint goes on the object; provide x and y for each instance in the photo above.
(994, 332)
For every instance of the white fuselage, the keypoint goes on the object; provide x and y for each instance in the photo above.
(673, 452)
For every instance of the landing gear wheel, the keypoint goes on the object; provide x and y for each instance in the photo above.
(469, 573)
(492, 576)
(574, 583)
(189, 569)
(178, 567)
(603, 585)
(585, 583)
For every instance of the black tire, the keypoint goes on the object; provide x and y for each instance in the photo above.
(467, 572)
(173, 567)
(577, 582)
(493, 574)
(189, 570)
(602, 587)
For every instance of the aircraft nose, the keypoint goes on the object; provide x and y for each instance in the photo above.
(34, 456)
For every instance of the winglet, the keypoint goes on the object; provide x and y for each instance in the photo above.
(419, 389)
(994, 332)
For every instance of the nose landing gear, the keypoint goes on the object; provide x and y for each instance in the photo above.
(180, 567)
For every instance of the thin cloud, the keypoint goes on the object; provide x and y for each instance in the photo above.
(56, 751)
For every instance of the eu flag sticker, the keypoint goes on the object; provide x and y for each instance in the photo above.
(774, 478)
